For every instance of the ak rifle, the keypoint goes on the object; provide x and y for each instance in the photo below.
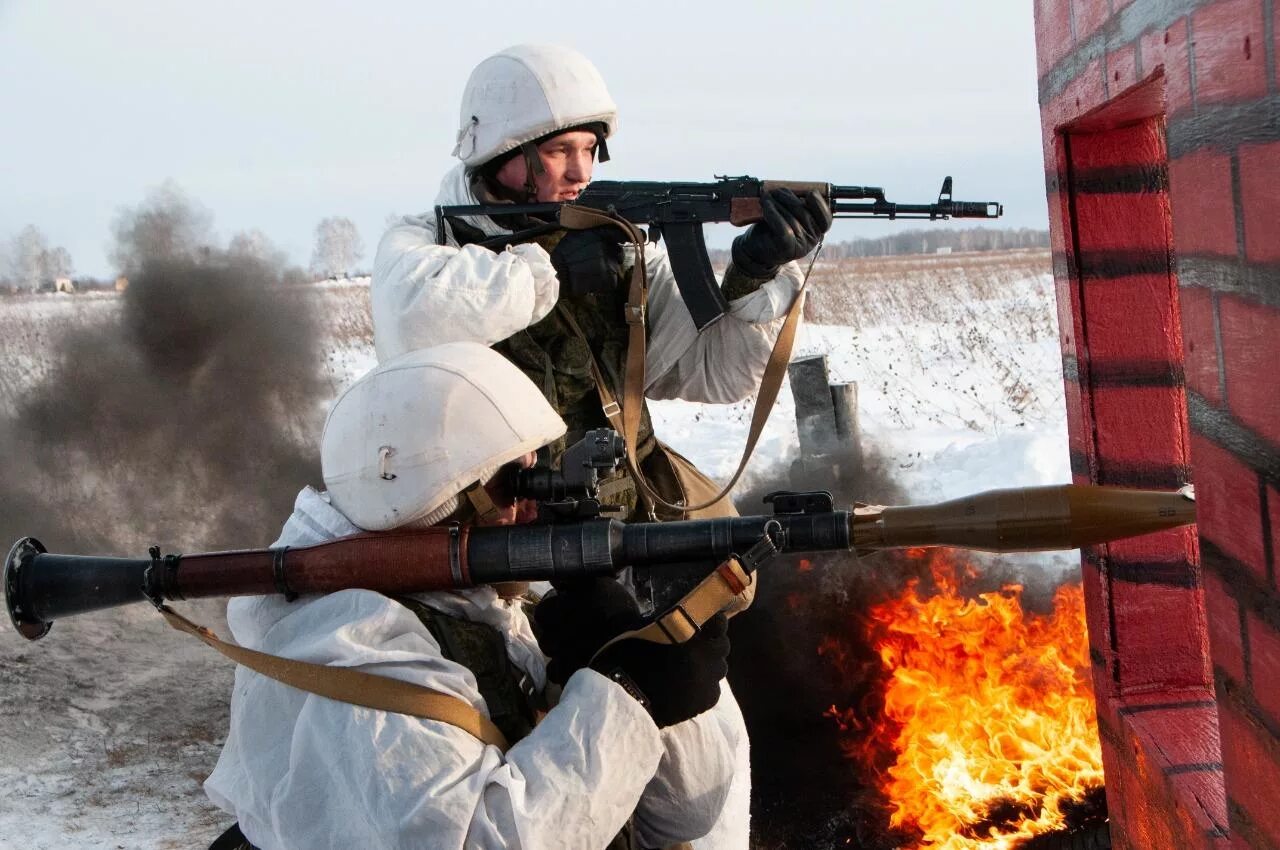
(676, 211)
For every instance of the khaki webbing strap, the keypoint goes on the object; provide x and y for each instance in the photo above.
(482, 503)
(351, 686)
(712, 595)
(581, 218)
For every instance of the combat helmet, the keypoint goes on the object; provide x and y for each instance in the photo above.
(406, 438)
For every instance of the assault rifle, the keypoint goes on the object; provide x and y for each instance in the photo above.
(574, 539)
(677, 212)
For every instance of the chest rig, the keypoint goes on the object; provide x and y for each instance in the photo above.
(557, 354)
(514, 703)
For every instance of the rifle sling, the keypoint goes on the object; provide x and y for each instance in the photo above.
(626, 419)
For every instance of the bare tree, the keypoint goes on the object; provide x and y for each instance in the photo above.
(338, 247)
(30, 263)
(27, 255)
(256, 245)
(57, 263)
(165, 226)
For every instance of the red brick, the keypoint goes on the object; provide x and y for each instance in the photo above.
(1066, 301)
(1227, 505)
(1273, 510)
(1133, 318)
(1096, 605)
(1250, 354)
(1078, 421)
(1082, 94)
(1089, 15)
(1122, 69)
(1199, 342)
(1226, 638)
(1264, 663)
(1230, 52)
(1125, 222)
(1053, 32)
(1139, 144)
(1168, 48)
(1260, 199)
(1139, 424)
(1183, 735)
(1058, 217)
(1251, 759)
(1204, 216)
(1172, 545)
(1203, 796)
(1161, 637)
(1152, 817)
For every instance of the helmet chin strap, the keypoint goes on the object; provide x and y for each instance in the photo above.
(533, 169)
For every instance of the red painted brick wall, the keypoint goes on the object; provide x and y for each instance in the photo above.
(1192, 389)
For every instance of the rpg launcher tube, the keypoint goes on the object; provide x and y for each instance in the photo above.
(1025, 519)
(40, 587)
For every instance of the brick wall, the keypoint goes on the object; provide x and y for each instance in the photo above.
(1161, 127)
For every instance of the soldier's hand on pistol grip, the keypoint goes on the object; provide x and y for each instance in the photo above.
(580, 617)
(674, 682)
(589, 260)
(791, 228)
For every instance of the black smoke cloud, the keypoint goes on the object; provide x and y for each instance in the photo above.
(186, 418)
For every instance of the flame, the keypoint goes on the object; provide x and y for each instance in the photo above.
(990, 712)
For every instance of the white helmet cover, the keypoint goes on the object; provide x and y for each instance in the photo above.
(416, 430)
(525, 92)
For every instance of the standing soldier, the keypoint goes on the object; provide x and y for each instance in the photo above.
(534, 119)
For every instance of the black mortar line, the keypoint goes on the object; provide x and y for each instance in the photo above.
(1216, 310)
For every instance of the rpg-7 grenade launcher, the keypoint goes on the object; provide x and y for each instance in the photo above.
(572, 539)
(677, 212)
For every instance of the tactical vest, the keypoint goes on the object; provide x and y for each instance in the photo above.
(558, 360)
(507, 690)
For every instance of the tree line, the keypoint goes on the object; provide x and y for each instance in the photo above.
(167, 222)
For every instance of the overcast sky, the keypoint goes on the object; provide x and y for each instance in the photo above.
(276, 114)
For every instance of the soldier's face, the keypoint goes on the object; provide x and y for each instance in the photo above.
(567, 161)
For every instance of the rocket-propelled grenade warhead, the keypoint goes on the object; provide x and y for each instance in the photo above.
(1024, 519)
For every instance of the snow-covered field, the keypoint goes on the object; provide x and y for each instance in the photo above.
(108, 725)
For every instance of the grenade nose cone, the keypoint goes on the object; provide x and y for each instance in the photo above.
(1100, 514)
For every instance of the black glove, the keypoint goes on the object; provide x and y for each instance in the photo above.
(578, 619)
(674, 681)
(791, 229)
(588, 260)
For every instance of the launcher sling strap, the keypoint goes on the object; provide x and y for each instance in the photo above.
(355, 687)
